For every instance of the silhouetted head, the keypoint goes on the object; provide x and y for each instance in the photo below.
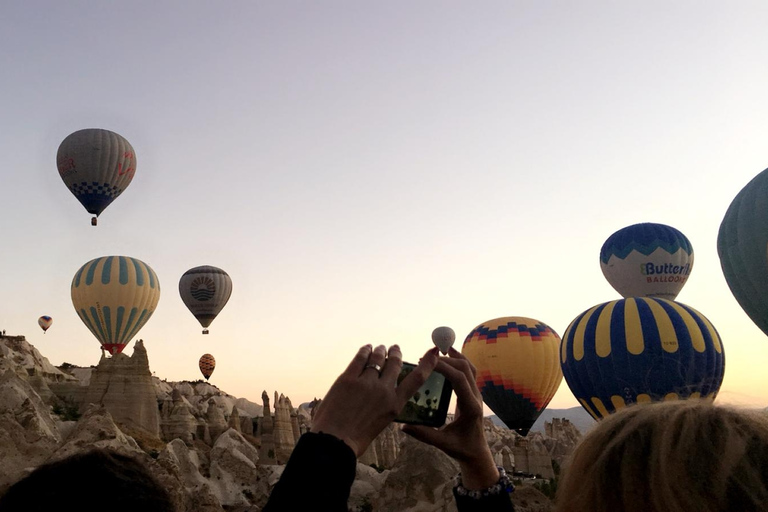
(99, 479)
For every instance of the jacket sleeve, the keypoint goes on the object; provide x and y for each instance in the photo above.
(494, 503)
(318, 476)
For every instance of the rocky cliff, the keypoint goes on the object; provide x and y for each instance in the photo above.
(213, 451)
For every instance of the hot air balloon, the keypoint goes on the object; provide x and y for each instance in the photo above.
(205, 290)
(97, 166)
(114, 297)
(640, 350)
(207, 365)
(518, 371)
(742, 245)
(647, 260)
(44, 322)
(443, 338)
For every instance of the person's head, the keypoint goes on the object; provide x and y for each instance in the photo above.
(678, 456)
(95, 480)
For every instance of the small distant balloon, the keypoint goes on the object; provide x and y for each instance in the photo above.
(96, 166)
(44, 322)
(443, 338)
(647, 260)
(207, 365)
(205, 290)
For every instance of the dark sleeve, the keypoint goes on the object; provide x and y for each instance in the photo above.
(496, 503)
(318, 476)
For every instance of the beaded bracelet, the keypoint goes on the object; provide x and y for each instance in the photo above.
(503, 485)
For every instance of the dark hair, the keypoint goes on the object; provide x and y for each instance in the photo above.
(94, 480)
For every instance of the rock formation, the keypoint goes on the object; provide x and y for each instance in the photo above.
(124, 386)
(561, 439)
(177, 420)
(266, 433)
(234, 420)
(217, 424)
(28, 433)
(282, 429)
(421, 479)
(234, 474)
(384, 450)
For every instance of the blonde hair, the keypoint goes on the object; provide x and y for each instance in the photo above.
(679, 456)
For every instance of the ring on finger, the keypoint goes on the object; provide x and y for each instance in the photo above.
(374, 366)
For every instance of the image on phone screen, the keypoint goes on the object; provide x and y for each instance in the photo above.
(429, 405)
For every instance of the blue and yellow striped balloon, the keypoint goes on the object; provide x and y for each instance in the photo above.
(640, 350)
(114, 297)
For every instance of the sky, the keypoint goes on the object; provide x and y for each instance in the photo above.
(368, 171)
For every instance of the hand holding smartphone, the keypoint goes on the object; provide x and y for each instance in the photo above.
(429, 405)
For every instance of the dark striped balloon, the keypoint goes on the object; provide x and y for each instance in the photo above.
(207, 364)
(640, 350)
(742, 244)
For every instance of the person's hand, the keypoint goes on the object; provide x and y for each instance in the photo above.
(463, 438)
(364, 399)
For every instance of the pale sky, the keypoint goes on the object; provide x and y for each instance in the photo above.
(368, 171)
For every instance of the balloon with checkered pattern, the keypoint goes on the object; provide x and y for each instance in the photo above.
(96, 166)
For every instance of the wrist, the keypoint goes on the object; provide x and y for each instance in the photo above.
(338, 434)
(479, 471)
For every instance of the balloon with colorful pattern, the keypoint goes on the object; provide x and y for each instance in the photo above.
(114, 297)
(742, 244)
(45, 323)
(205, 290)
(207, 364)
(647, 260)
(96, 166)
(638, 350)
(518, 371)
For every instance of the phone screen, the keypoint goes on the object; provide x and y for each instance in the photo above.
(429, 405)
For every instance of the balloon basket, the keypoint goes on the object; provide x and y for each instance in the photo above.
(94, 221)
(205, 331)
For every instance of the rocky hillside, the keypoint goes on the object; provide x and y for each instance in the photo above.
(216, 452)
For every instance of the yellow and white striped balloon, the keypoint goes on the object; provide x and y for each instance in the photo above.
(114, 297)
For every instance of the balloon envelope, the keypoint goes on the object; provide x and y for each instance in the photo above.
(207, 364)
(44, 322)
(647, 260)
(640, 350)
(205, 291)
(443, 338)
(518, 371)
(114, 297)
(96, 166)
(742, 244)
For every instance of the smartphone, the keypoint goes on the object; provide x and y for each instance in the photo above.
(429, 405)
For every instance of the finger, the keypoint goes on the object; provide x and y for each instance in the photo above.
(424, 434)
(456, 355)
(464, 366)
(393, 365)
(413, 381)
(466, 390)
(358, 362)
(377, 359)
